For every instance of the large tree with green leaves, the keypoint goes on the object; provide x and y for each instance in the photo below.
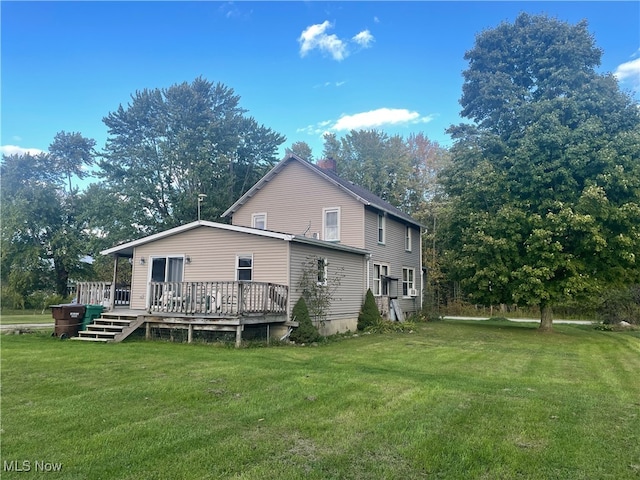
(43, 244)
(71, 155)
(545, 181)
(170, 145)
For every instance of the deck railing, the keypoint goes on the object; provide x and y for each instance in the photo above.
(218, 298)
(100, 293)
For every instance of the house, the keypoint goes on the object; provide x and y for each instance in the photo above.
(233, 276)
(312, 200)
(213, 276)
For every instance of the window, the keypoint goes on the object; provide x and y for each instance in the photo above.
(259, 220)
(331, 224)
(407, 281)
(380, 282)
(322, 271)
(381, 225)
(244, 268)
(167, 269)
(407, 239)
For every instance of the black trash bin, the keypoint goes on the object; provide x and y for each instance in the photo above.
(68, 319)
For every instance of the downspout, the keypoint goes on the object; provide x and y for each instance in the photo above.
(368, 257)
(421, 271)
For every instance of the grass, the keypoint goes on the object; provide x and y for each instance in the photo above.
(486, 400)
(15, 317)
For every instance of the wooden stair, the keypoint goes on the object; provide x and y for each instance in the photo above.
(110, 327)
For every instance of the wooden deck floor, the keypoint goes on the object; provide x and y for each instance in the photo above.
(200, 322)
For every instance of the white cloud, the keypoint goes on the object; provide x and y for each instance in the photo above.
(330, 84)
(378, 118)
(16, 150)
(364, 38)
(316, 37)
(629, 70)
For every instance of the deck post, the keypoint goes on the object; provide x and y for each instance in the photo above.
(147, 331)
(190, 334)
(268, 335)
(238, 336)
(112, 292)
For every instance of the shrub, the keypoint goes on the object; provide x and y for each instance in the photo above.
(621, 305)
(387, 326)
(41, 300)
(12, 299)
(306, 332)
(369, 314)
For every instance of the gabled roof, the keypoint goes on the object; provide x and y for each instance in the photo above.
(126, 249)
(363, 195)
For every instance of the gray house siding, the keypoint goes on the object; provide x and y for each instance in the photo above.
(213, 258)
(348, 298)
(294, 200)
(393, 254)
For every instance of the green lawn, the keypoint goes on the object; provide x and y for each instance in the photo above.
(488, 400)
(15, 317)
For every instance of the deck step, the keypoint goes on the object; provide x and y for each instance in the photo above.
(90, 339)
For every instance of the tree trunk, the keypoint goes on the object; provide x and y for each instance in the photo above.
(546, 318)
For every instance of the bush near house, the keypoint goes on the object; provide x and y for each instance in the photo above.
(306, 332)
(369, 314)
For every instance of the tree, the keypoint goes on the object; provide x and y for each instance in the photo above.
(301, 149)
(305, 332)
(369, 313)
(545, 184)
(170, 145)
(375, 161)
(71, 154)
(42, 243)
(319, 282)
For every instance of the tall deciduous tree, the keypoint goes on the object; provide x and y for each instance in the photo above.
(71, 154)
(42, 243)
(545, 184)
(375, 161)
(169, 145)
(302, 149)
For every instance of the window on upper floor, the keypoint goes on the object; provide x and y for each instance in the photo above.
(408, 283)
(381, 228)
(331, 223)
(244, 267)
(259, 220)
(407, 238)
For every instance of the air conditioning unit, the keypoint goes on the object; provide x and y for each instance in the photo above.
(413, 292)
(316, 235)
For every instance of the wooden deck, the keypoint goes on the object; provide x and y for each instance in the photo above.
(191, 306)
(119, 323)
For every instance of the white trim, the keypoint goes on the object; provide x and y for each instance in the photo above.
(254, 216)
(192, 225)
(411, 284)
(375, 280)
(325, 211)
(237, 266)
(383, 228)
(325, 273)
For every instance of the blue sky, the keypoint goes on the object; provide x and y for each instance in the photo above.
(300, 68)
